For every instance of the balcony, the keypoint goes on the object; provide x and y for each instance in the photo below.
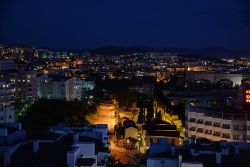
(199, 121)
(200, 130)
(226, 136)
(216, 124)
(209, 132)
(208, 123)
(226, 126)
(217, 134)
(192, 120)
(192, 129)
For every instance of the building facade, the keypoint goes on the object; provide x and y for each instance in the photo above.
(7, 112)
(203, 122)
(59, 87)
(214, 78)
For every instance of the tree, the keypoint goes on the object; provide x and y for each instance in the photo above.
(44, 113)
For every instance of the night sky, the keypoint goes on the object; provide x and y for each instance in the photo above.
(76, 24)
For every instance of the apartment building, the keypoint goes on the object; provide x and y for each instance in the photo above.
(59, 87)
(217, 125)
(7, 112)
(214, 78)
(23, 82)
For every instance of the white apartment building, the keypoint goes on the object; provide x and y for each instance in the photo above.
(88, 84)
(59, 87)
(7, 112)
(73, 88)
(214, 78)
(24, 82)
(50, 88)
(203, 122)
(26, 85)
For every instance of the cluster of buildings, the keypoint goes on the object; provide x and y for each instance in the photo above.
(27, 85)
(199, 153)
(215, 93)
(64, 145)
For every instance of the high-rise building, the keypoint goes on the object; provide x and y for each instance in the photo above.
(23, 82)
(7, 112)
(59, 87)
(217, 124)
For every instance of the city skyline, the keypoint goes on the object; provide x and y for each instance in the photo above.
(149, 83)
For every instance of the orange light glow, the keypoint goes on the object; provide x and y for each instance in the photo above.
(247, 96)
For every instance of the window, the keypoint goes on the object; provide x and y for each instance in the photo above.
(192, 128)
(248, 137)
(226, 126)
(216, 124)
(248, 128)
(217, 133)
(235, 127)
(208, 132)
(200, 130)
(236, 137)
(209, 123)
(151, 140)
(200, 121)
(192, 120)
(226, 135)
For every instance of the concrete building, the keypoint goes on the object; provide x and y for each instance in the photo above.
(157, 130)
(88, 84)
(213, 78)
(10, 133)
(59, 87)
(217, 124)
(87, 152)
(24, 83)
(142, 88)
(199, 153)
(72, 145)
(7, 65)
(97, 131)
(7, 112)
(74, 88)
(51, 87)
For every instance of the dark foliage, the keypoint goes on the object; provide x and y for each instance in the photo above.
(44, 113)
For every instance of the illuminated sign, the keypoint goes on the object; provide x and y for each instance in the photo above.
(247, 96)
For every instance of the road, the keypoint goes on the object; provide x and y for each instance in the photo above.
(106, 115)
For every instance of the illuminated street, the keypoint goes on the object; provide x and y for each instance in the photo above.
(121, 154)
(105, 115)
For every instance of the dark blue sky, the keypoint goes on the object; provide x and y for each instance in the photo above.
(75, 24)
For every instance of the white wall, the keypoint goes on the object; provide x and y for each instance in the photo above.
(72, 156)
(87, 149)
(161, 162)
(190, 164)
